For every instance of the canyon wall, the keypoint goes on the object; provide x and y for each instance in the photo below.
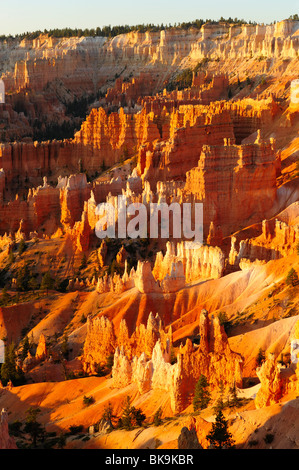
(236, 184)
(34, 63)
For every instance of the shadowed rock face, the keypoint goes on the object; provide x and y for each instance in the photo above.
(188, 439)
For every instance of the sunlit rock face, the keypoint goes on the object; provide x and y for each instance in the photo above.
(213, 358)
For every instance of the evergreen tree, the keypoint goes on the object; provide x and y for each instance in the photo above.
(131, 416)
(137, 417)
(108, 414)
(126, 414)
(23, 278)
(83, 262)
(33, 284)
(65, 347)
(22, 246)
(260, 358)
(4, 297)
(157, 417)
(219, 437)
(26, 347)
(292, 278)
(9, 370)
(32, 426)
(202, 395)
(234, 400)
(109, 363)
(219, 406)
(61, 441)
(47, 281)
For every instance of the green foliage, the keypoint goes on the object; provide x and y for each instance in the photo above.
(292, 278)
(233, 398)
(109, 363)
(23, 277)
(181, 81)
(22, 246)
(87, 401)
(269, 438)
(76, 429)
(33, 284)
(9, 370)
(131, 416)
(65, 347)
(53, 130)
(79, 106)
(26, 347)
(61, 440)
(108, 414)
(61, 286)
(83, 264)
(32, 426)
(253, 442)
(112, 31)
(114, 267)
(15, 428)
(202, 395)
(220, 405)
(47, 282)
(219, 437)
(5, 297)
(157, 417)
(260, 357)
(11, 258)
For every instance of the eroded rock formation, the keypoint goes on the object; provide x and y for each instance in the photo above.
(213, 358)
(6, 441)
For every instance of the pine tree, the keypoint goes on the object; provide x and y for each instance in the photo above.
(202, 395)
(219, 406)
(157, 417)
(131, 416)
(233, 395)
(260, 358)
(108, 414)
(126, 414)
(65, 347)
(292, 278)
(219, 437)
(22, 246)
(9, 370)
(47, 282)
(32, 426)
(26, 347)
